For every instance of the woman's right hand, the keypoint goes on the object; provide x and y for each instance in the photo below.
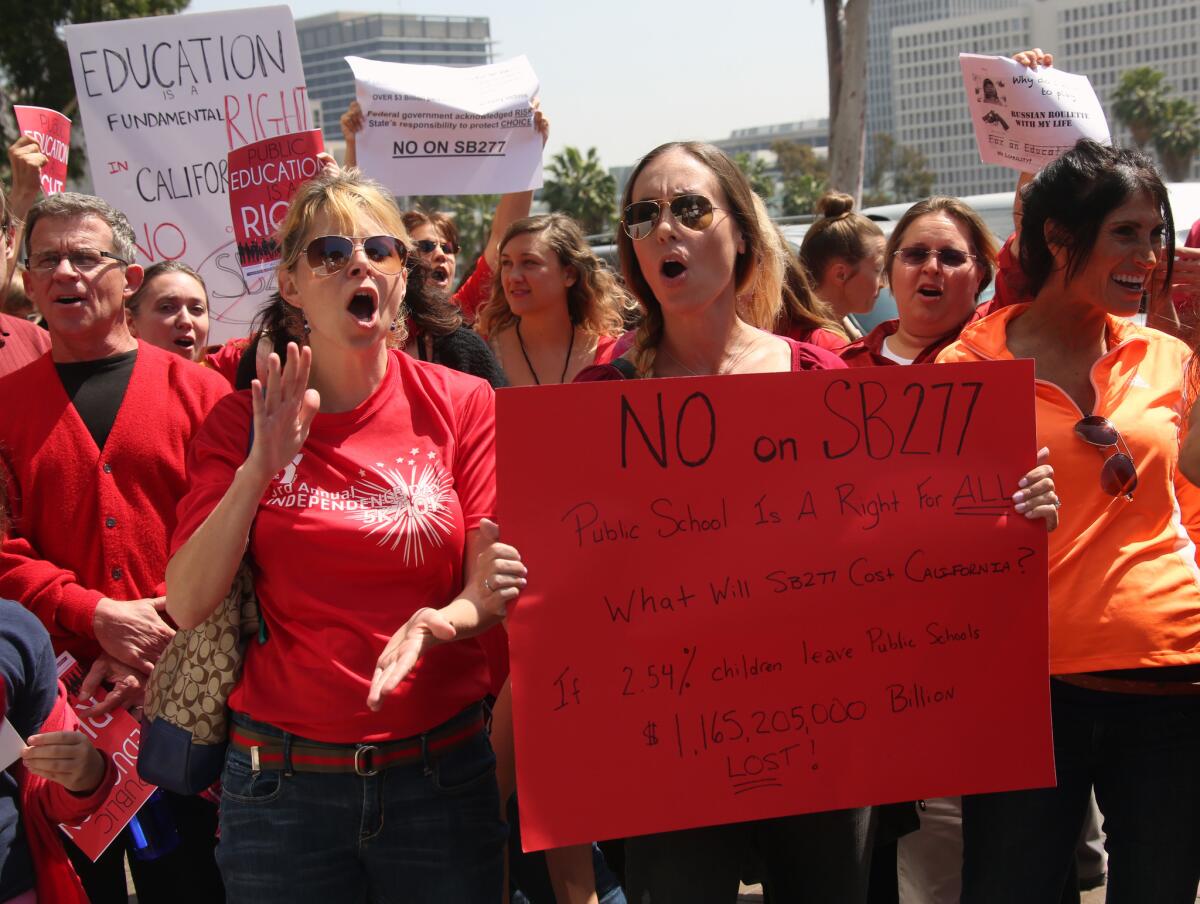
(351, 122)
(1032, 59)
(283, 411)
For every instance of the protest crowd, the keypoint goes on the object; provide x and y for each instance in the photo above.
(157, 485)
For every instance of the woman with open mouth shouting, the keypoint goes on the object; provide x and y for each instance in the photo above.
(360, 481)
(170, 310)
(690, 245)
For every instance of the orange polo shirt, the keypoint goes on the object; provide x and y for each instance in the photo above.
(1124, 585)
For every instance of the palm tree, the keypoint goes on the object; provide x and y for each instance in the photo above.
(579, 186)
(1138, 102)
(755, 171)
(1177, 138)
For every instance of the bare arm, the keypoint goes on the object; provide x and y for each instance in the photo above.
(515, 205)
(494, 578)
(352, 123)
(201, 571)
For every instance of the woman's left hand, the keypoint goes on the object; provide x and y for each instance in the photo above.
(1036, 497)
(499, 574)
(426, 628)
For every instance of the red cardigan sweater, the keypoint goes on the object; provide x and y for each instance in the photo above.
(88, 524)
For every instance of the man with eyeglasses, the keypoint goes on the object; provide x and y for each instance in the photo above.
(93, 437)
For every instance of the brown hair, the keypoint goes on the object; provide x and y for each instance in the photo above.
(595, 302)
(741, 207)
(415, 219)
(161, 269)
(839, 234)
(983, 245)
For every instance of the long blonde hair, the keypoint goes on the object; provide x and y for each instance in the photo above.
(595, 302)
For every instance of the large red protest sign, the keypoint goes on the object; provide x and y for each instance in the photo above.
(753, 596)
(52, 131)
(118, 735)
(262, 179)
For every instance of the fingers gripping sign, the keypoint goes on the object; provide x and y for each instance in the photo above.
(284, 408)
(1037, 498)
(499, 572)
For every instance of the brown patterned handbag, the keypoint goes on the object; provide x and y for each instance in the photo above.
(185, 719)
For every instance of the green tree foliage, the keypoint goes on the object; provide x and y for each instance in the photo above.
(472, 215)
(1177, 138)
(1138, 102)
(578, 186)
(34, 65)
(805, 176)
(908, 167)
(755, 171)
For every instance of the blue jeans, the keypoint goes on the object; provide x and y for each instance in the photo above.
(1142, 754)
(425, 832)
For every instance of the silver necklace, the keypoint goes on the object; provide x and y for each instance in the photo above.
(729, 366)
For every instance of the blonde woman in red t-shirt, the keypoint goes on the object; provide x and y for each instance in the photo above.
(358, 768)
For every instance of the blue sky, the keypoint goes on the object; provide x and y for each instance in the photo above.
(626, 76)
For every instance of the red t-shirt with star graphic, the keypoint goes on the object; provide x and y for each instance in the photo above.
(365, 526)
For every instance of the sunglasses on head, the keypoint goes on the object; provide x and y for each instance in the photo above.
(329, 254)
(1118, 475)
(693, 211)
(950, 258)
(428, 246)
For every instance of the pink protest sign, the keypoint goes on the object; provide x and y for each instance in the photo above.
(52, 131)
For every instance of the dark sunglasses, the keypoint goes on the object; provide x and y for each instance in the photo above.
(328, 254)
(693, 211)
(950, 258)
(1118, 476)
(428, 246)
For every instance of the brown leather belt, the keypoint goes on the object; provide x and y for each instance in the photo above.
(266, 751)
(1125, 686)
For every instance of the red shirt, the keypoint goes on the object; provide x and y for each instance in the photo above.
(804, 357)
(367, 525)
(21, 343)
(475, 290)
(224, 359)
(818, 336)
(86, 523)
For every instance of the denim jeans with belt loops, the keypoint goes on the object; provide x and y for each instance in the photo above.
(423, 832)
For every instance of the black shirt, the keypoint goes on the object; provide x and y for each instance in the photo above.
(96, 389)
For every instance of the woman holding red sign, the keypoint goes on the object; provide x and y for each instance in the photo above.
(1124, 592)
(363, 501)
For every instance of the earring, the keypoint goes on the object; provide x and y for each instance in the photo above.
(307, 328)
(395, 324)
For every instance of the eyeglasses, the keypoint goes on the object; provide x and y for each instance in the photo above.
(693, 211)
(83, 260)
(950, 258)
(428, 246)
(1118, 476)
(329, 254)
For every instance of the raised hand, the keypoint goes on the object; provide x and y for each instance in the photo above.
(284, 409)
(26, 160)
(351, 121)
(1034, 58)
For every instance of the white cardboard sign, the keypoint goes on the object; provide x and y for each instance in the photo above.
(1024, 118)
(163, 100)
(440, 130)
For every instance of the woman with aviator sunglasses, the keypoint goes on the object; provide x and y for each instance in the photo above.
(363, 479)
(690, 244)
(1124, 593)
